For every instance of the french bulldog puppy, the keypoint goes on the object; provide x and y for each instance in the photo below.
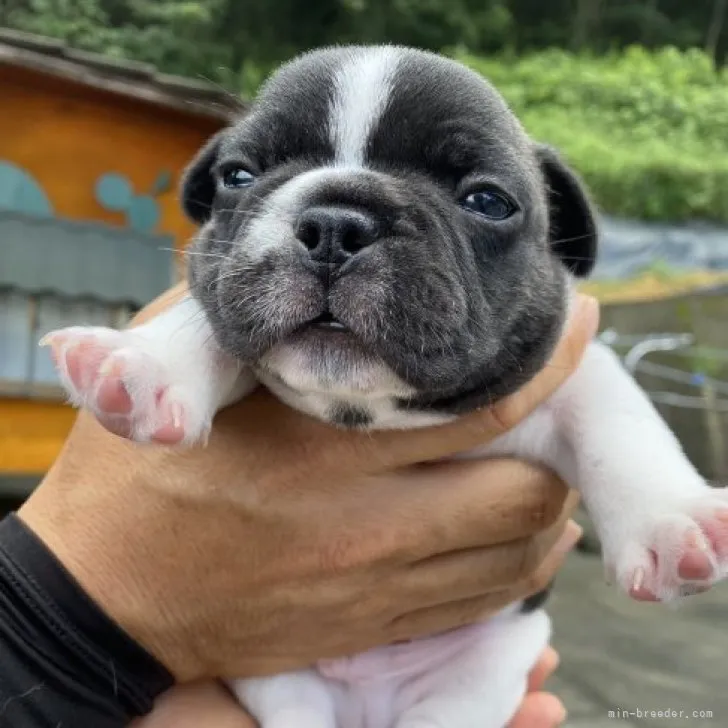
(383, 246)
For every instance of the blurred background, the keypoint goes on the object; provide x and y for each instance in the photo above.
(104, 102)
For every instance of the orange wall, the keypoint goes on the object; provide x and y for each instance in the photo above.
(31, 434)
(66, 136)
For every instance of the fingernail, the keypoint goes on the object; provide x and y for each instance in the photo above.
(560, 718)
(555, 661)
(569, 538)
(47, 340)
(638, 580)
(106, 368)
(176, 412)
(552, 714)
(701, 543)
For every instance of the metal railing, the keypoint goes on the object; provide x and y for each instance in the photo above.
(639, 347)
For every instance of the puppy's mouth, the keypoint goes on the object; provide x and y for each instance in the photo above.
(326, 322)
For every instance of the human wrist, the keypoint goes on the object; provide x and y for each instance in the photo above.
(51, 629)
(108, 562)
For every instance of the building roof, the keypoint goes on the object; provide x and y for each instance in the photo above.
(136, 80)
(79, 259)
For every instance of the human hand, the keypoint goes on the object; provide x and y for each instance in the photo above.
(210, 704)
(539, 709)
(285, 540)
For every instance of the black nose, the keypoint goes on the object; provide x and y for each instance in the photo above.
(333, 234)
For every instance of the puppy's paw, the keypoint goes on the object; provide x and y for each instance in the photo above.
(121, 378)
(679, 552)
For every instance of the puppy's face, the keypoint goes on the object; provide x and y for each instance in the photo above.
(381, 227)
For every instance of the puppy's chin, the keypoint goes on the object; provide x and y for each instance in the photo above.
(330, 363)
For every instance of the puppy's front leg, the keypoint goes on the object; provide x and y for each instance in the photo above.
(162, 381)
(664, 529)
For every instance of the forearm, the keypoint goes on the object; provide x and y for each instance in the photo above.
(63, 662)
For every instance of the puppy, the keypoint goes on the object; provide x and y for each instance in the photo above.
(383, 246)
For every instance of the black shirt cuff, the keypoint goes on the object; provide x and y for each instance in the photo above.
(62, 660)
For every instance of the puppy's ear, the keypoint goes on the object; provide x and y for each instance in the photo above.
(572, 217)
(197, 190)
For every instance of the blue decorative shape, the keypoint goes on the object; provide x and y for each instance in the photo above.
(698, 379)
(143, 214)
(114, 192)
(19, 192)
(162, 184)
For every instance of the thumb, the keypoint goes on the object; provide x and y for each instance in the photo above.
(407, 447)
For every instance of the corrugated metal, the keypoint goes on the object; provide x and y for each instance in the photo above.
(52, 313)
(16, 337)
(76, 259)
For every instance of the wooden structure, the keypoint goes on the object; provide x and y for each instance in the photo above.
(91, 151)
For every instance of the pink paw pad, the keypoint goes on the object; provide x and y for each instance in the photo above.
(112, 374)
(683, 553)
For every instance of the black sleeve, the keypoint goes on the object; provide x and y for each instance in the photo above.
(63, 662)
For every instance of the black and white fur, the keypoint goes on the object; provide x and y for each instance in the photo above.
(350, 276)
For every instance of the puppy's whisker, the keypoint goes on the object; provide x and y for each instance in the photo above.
(517, 362)
(572, 239)
(235, 98)
(200, 254)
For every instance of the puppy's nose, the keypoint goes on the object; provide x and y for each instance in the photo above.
(333, 233)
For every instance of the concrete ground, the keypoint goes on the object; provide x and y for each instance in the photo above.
(621, 660)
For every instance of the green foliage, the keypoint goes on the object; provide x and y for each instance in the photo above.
(70, 20)
(648, 131)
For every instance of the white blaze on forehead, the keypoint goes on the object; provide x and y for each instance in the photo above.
(362, 87)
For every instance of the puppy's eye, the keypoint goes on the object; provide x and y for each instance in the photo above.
(236, 178)
(492, 205)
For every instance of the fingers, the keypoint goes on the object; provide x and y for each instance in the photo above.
(411, 446)
(462, 612)
(526, 564)
(545, 667)
(195, 705)
(544, 574)
(470, 504)
(539, 710)
(582, 329)
(444, 617)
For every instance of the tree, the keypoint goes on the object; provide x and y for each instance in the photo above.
(715, 28)
(585, 20)
(79, 22)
